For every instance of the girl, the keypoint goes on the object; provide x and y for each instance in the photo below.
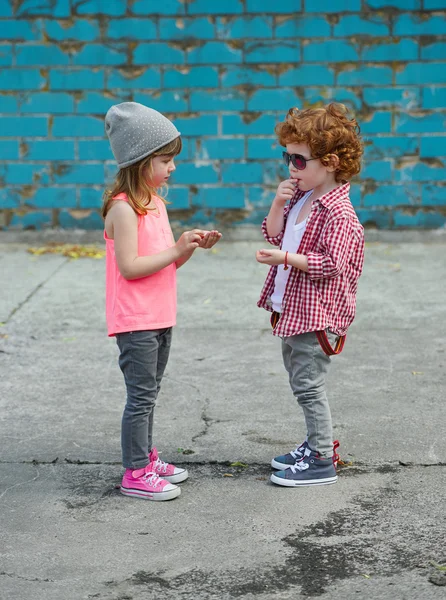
(141, 262)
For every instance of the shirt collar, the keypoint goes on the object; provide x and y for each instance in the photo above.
(333, 197)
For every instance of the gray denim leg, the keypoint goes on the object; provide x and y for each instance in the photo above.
(143, 358)
(307, 366)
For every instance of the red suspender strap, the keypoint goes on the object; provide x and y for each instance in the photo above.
(326, 346)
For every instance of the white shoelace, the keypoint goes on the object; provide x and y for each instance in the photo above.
(296, 452)
(161, 466)
(151, 479)
(300, 466)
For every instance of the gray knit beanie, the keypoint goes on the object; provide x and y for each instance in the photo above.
(136, 131)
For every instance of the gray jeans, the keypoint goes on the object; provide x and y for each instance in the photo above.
(142, 360)
(307, 366)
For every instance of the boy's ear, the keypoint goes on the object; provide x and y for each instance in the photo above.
(333, 163)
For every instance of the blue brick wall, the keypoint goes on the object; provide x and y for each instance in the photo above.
(226, 73)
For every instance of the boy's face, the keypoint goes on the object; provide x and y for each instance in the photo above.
(315, 175)
(162, 167)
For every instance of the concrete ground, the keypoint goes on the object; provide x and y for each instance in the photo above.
(66, 531)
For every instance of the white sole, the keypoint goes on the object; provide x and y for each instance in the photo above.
(157, 496)
(291, 483)
(178, 478)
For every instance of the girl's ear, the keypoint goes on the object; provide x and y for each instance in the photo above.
(333, 163)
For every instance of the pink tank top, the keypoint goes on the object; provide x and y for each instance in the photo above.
(149, 302)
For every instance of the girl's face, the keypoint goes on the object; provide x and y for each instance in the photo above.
(315, 176)
(162, 167)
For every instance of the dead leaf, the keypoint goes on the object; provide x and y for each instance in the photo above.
(228, 475)
(71, 251)
(417, 372)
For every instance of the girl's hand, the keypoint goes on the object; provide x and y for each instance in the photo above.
(270, 257)
(189, 241)
(285, 191)
(210, 239)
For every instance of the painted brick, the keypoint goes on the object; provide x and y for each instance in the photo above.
(355, 194)
(375, 218)
(76, 80)
(200, 28)
(248, 125)
(21, 30)
(380, 122)
(392, 195)
(23, 126)
(97, 103)
(83, 174)
(58, 8)
(191, 173)
(330, 51)
(421, 74)
(131, 79)
(434, 97)
(274, 171)
(272, 52)
(167, 7)
(409, 24)
(9, 150)
(190, 77)
(95, 150)
(435, 51)
(244, 28)
(433, 4)
(214, 53)
(325, 95)
(5, 8)
(224, 198)
(186, 148)
(99, 54)
(419, 171)
(264, 148)
(420, 123)
(277, 99)
(400, 4)
(49, 150)
(265, 6)
(47, 102)
(432, 147)
(218, 148)
(90, 198)
(390, 147)
(354, 75)
(334, 6)
(419, 220)
(9, 198)
(242, 172)
(5, 55)
(217, 100)
(24, 174)
(228, 7)
(379, 170)
(164, 101)
(179, 198)
(31, 220)
(433, 195)
(132, 29)
(405, 98)
(305, 27)
(49, 197)
(260, 199)
(82, 30)
(40, 55)
(91, 220)
(8, 104)
(157, 54)
(197, 125)
(78, 127)
(307, 75)
(102, 7)
(234, 76)
(21, 79)
(355, 25)
(402, 50)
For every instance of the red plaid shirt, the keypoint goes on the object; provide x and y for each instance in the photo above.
(325, 296)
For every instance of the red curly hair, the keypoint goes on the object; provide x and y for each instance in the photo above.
(327, 130)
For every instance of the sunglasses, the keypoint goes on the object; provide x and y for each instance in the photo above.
(298, 161)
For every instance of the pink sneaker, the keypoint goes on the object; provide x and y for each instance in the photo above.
(165, 470)
(144, 483)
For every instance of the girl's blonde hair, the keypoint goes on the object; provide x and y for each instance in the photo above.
(327, 130)
(132, 181)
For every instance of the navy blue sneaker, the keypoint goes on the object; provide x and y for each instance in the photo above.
(285, 461)
(310, 470)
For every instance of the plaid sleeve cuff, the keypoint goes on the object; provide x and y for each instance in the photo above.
(275, 241)
(315, 265)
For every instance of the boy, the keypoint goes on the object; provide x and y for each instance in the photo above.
(311, 286)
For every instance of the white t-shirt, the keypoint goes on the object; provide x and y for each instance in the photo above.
(291, 242)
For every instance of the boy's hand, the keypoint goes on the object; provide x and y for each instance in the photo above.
(209, 239)
(189, 241)
(285, 191)
(270, 257)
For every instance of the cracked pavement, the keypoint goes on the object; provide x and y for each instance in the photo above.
(67, 532)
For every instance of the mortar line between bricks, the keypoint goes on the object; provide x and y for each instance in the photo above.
(34, 291)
